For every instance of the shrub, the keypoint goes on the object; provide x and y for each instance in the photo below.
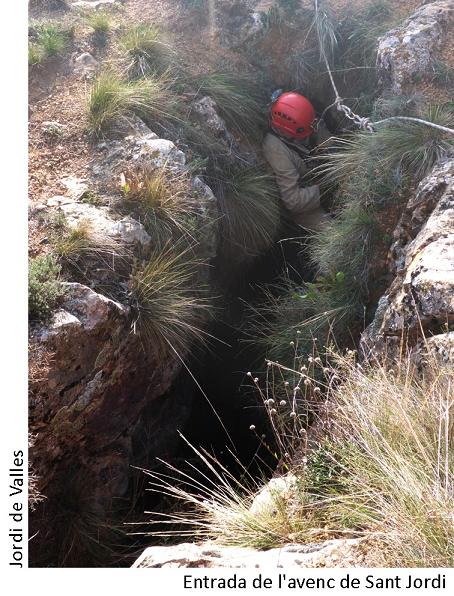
(112, 100)
(250, 213)
(166, 204)
(44, 288)
(170, 303)
(144, 44)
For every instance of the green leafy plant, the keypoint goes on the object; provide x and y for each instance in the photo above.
(171, 306)
(44, 287)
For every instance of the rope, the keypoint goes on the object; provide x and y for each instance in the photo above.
(362, 122)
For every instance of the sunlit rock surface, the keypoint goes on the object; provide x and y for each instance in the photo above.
(420, 301)
(408, 51)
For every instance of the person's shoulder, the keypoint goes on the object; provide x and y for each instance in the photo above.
(272, 142)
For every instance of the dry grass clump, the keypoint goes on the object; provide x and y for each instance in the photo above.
(238, 98)
(171, 305)
(112, 99)
(250, 213)
(166, 203)
(145, 46)
(378, 462)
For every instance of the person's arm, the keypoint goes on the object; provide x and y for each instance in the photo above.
(295, 198)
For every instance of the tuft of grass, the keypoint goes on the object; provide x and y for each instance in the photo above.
(145, 46)
(112, 99)
(166, 204)
(238, 98)
(83, 247)
(35, 54)
(344, 245)
(250, 213)
(52, 39)
(411, 146)
(292, 316)
(170, 304)
(44, 287)
(378, 464)
(442, 74)
(325, 26)
(100, 22)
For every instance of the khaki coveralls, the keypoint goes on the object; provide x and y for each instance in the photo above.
(302, 202)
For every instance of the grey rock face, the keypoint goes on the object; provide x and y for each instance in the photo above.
(408, 50)
(94, 4)
(86, 64)
(421, 298)
(105, 224)
(338, 553)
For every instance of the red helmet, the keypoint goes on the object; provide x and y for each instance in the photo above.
(293, 115)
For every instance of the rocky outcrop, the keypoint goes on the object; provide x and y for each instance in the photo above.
(332, 553)
(106, 398)
(407, 52)
(94, 4)
(420, 301)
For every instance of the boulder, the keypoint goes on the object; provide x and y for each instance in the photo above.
(331, 553)
(274, 494)
(86, 64)
(206, 110)
(105, 223)
(54, 128)
(420, 301)
(408, 51)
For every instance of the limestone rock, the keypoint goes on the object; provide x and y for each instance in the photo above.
(86, 64)
(338, 553)
(161, 152)
(408, 50)
(76, 187)
(274, 494)
(102, 223)
(421, 297)
(54, 128)
(140, 144)
(85, 410)
(93, 4)
(206, 109)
